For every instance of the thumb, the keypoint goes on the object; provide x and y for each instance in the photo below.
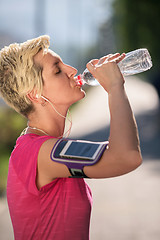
(91, 65)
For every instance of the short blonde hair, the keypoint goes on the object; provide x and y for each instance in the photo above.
(19, 75)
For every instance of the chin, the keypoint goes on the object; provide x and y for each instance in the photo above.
(81, 95)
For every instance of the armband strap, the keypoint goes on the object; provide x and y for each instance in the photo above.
(76, 164)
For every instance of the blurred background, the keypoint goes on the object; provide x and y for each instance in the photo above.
(126, 207)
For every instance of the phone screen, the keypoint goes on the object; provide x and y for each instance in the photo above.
(80, 150)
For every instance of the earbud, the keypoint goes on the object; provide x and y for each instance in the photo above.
(39, 96)
(44, 98)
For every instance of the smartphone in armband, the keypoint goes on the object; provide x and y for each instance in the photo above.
(76, 154)
(81, 150)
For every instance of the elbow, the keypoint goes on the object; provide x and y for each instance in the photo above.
(134, 160)
(138, 161)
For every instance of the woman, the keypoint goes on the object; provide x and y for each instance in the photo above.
(44, 201)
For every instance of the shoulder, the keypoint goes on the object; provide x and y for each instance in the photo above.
(47, 169)
(27, 148)
(30, 139)
(23, 160)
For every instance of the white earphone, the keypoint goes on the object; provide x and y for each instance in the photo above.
(70, 120)
(40, 96)
(45, 98)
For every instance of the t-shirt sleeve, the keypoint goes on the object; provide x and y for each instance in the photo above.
(24, 158)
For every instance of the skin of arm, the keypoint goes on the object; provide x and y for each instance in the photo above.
(123, 153)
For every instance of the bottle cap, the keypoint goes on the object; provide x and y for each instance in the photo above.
(80, 80)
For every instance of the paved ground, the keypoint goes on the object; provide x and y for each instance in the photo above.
(6, 232)
(126, 207)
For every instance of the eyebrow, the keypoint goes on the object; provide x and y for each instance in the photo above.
(55, 63)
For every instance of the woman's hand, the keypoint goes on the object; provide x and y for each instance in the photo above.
(106, 71)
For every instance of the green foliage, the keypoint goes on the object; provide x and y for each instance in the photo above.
(136, 24)
(3, 172)
(11, 125)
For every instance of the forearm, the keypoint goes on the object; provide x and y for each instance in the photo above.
(123, 152)
(123, 130)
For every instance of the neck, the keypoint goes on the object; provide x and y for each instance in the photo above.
(48, 122)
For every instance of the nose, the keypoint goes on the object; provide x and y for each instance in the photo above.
(71, 71)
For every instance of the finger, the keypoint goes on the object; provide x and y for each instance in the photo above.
(119, 58)
(103, 59)
(93, 62)
(91, 65)
(114, 56)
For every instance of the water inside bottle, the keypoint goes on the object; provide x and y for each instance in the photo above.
(135, 62)
(89, 79)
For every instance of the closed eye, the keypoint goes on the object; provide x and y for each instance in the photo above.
(58, 70)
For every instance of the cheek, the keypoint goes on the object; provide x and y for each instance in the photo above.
(59, 94)
(62, 92)
(68, 96)
(53, 87)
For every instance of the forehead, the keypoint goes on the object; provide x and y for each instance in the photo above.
(40, 58)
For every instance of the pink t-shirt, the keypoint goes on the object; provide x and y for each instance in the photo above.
(60, 210)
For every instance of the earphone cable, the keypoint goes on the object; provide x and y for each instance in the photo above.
(67, 133)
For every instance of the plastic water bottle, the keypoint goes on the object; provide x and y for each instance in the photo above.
(134, 62)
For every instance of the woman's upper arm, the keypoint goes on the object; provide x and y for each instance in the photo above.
(109, 165)
(48, 170)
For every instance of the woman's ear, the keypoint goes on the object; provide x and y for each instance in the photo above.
(34, 97)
